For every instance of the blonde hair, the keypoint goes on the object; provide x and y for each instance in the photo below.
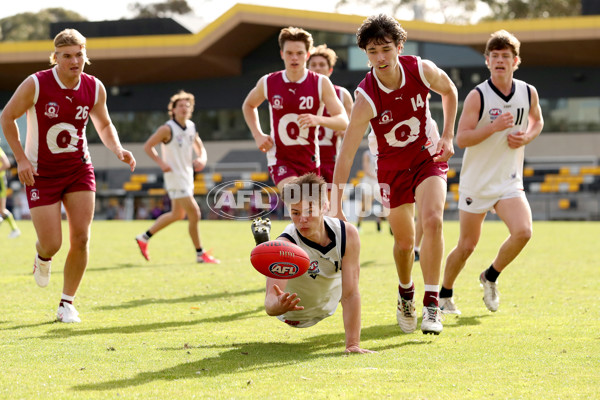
(181, 95)
(292, 34)
(326, 53)
(68, 37)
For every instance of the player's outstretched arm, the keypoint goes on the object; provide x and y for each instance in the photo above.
(278, 302)
(350, 292)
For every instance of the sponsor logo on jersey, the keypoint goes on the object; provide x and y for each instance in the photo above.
(495, 113)
(313, 269)
(51, 110)
(386, 118)
(34, 195)
(277, 102)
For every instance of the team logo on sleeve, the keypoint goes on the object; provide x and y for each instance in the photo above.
(386, 118)
(277, 102)
(51, 110)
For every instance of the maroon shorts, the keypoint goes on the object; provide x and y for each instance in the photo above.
(327, 171)
(282, 170)
(48, 191)
(398, 186)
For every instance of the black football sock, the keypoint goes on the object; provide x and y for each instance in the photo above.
(446, 293)
(491, 274)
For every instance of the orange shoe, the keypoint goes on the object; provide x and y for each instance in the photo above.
(206, 258)
(143, 245)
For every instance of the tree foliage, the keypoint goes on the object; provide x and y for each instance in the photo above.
(160, 10)
(34, 26)
(512, 9)
(462, 11)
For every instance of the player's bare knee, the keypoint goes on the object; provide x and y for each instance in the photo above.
(522, 235)
(49, 248)
(80, 241)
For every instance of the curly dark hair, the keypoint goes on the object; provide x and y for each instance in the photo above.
(380, 29)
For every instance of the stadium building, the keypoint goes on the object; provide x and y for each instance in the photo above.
(143, 62)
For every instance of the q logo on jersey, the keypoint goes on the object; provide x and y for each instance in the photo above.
(51, 110)
(495, 113)
(277, 102)
(386, 118)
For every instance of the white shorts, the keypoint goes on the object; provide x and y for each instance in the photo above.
(481, 205)
(180, 193)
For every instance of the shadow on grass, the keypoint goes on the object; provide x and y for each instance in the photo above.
(17, 327)
(255, 356)
(66, 330)
(188, 299)
(142, 264)
(464, 321)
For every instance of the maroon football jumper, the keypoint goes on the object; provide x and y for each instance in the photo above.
(56, 143)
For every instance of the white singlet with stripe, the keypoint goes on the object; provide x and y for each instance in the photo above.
(178, 154)
(491, 168)
(320, 288)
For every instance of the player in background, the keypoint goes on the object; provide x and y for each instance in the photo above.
(55, 166)
(322, 60)
(411, 157)
(5, 214)
(296, 98)
(333, 247)
(500, 117)
(179, 141)
(368, 190)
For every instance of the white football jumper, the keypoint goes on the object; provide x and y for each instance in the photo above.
(178, 154)
(320, 288)
(491, 169)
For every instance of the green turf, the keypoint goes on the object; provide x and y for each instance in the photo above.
(173, 329)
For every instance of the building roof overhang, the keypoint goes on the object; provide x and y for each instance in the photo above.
(218, 49)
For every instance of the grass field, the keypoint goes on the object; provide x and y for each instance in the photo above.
(173, 329)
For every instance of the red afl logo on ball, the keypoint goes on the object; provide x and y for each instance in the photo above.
(283, 269)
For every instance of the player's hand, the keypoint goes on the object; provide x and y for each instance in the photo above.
(516, 140)
(198, 164)
(264, 143)
(127, 157)
(286, 301)
(26, 172)
(444, 150)
(164, 167)
(307, 120)
(506, 120)
(356, 349)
